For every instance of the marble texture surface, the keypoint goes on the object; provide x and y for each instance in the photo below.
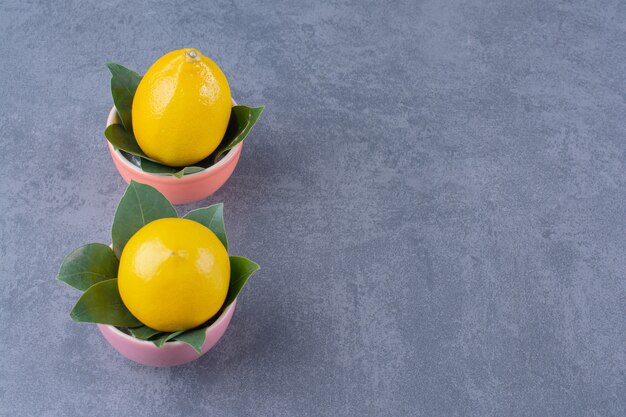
(436, 194)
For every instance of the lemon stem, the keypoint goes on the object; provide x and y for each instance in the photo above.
(192, 55)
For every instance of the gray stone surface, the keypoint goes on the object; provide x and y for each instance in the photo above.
(435, 192)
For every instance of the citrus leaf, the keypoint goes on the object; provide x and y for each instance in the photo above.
(192, 170)
(240, 270)
(153, 167)
(140, 205)
(167, 336)
(121, 139)
(101, 303)
(144, 332)
(194, 338)
(124, 83)
(213, 218)
(88, 265)
(242, 119)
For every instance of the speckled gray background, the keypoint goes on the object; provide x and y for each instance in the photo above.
(436, 194)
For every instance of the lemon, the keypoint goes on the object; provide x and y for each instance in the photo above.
(181, 108)
(174, 274)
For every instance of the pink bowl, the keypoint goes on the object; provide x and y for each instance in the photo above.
(189, 188)
(171, 353)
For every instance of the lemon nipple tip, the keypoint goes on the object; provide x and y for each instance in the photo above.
(192, 55)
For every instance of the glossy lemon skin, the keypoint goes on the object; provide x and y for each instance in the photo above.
(181, 108)
(174, 274)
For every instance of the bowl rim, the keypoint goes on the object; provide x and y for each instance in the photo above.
(172, 343)
(230, 155)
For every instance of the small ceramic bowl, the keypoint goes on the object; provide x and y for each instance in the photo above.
(189, 188)
(171, 353)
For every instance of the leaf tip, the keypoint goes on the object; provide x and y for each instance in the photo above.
(195, 346)
(60, 277)
(255, 266)
(74, 316)
(111, 66)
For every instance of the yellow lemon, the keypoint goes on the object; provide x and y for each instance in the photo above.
(174, 274)
(181, 108)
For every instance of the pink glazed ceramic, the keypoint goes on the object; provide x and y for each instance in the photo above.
(171, 353)
(189, 188)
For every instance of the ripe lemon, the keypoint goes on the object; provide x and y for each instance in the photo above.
(174, 274)
(181, 108)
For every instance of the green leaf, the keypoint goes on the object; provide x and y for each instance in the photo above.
(101, 303)
(156, 168)
(194, 338)
(140, 205)
(144, 332)
(242, 119)
(148, 165)
(120, 138)
(240, 270)
(213, 218)
(124, 83)
(167, 336)
(88, 265)
(192, 170)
